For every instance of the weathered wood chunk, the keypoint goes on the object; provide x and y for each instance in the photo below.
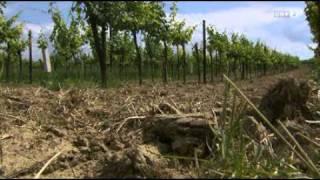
(181, 134)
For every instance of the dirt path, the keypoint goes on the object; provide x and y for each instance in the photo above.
(37, 123)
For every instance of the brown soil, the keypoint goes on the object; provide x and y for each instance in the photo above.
(113, 132)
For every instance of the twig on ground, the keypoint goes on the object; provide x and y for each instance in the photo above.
(215, 119)
(11, 116)
(174, 103)
(312, 122)
(177, 111)
(47, 164)
(127, 119)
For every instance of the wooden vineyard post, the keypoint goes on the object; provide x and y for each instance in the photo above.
(164, 65)
(204, 52)
(134, 33)
(178, 63)
(46, 60)
(198, 62)
(30, 56)
(7, 63)
(20, 65)
(211, 66)
(184, 64)
(111, 48)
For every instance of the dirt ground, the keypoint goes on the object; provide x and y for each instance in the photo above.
(100, 132)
